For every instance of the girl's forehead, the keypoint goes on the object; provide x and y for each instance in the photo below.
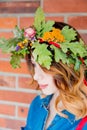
(34, 62)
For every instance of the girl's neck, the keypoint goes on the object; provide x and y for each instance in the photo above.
(52, 105)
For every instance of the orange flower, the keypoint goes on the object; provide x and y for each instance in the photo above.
(47, 36)
(20, 44)
(55, 35)
(25, 41)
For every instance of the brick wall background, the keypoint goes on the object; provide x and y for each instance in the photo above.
(16, 93)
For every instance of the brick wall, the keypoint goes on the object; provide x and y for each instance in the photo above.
(16, 93)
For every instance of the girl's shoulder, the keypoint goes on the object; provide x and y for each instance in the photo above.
(36, 100)
(83, 124)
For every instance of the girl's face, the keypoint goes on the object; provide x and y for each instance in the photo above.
(45, 81)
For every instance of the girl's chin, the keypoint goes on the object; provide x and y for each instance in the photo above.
(47, 93)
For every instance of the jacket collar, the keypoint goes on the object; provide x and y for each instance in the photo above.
(45, 101)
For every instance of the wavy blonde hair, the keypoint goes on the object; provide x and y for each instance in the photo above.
(73, 92)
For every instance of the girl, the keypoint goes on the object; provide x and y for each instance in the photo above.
(63, 102)
(57, 59)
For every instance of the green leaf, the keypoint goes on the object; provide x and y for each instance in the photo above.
(42, 55)
(45, 61)
(85, 62)
(75, 47)
(70, 60)
(77, 64)
(7, 45)
(39, 19)
(48, 26)
(69, 33)
(23, 51)
(2, 41)
(59, 55)
(18, 32)
(2, 44)
(15, 60)
(39, 23)
(84, 46)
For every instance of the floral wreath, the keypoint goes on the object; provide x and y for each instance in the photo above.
(38, 37)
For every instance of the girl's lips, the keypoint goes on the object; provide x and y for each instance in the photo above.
(43, 86)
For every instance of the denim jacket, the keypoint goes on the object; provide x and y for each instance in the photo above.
(38, 114)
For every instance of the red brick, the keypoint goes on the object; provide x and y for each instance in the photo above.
(63, 6)
(6, 67)
(6, 34)
(79, 22)
(25, 22)
(11, 124)
(16, 96)
(22, 112)
(7, 81)
(2, 123)
(8, 22)
(84, 36)
(7, 109)
(27, 83)
(19, 6)
(59, 18)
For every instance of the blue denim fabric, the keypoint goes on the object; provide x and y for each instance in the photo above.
(85, 127)
(38, 114)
